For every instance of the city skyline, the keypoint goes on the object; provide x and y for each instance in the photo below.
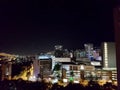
(31, 27)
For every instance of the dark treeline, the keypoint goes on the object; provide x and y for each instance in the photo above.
(26, 85)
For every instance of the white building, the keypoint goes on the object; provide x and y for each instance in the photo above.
(59, 60)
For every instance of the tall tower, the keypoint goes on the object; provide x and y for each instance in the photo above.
(109, 55)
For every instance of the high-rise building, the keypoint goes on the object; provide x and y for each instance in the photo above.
(42, 66)
(109, 55)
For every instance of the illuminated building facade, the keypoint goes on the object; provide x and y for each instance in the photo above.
(42, 66)
(6, 69)
(36, 67)
(87, 64)
(6, 65)
(109, 55)
(109, 61)
(80, 71)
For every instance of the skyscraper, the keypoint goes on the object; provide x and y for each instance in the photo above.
(109, 55)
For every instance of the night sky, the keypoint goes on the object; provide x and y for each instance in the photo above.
(34, 26)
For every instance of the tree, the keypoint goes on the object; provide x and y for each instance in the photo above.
(72, 74)
(57, 69)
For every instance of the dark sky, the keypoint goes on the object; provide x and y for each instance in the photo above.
(32, 26)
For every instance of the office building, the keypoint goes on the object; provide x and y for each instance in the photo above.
(109, 55)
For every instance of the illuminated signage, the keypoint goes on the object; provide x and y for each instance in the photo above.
(44, 57)
(62, 60)
(96, 63)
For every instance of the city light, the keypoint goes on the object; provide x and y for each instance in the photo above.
(106, 54)
(75, 69)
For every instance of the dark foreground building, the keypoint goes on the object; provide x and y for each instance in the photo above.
(117, 38)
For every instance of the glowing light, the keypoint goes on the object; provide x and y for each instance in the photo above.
(84, 83)
(44, 57)
(54, 81)
(82, 67)
(71, 79)
(76, 81)
(110, 81)
(96, 63)
(105, 54)
(102, 82)
(23, 74)
(65, 80)
(32, 78)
